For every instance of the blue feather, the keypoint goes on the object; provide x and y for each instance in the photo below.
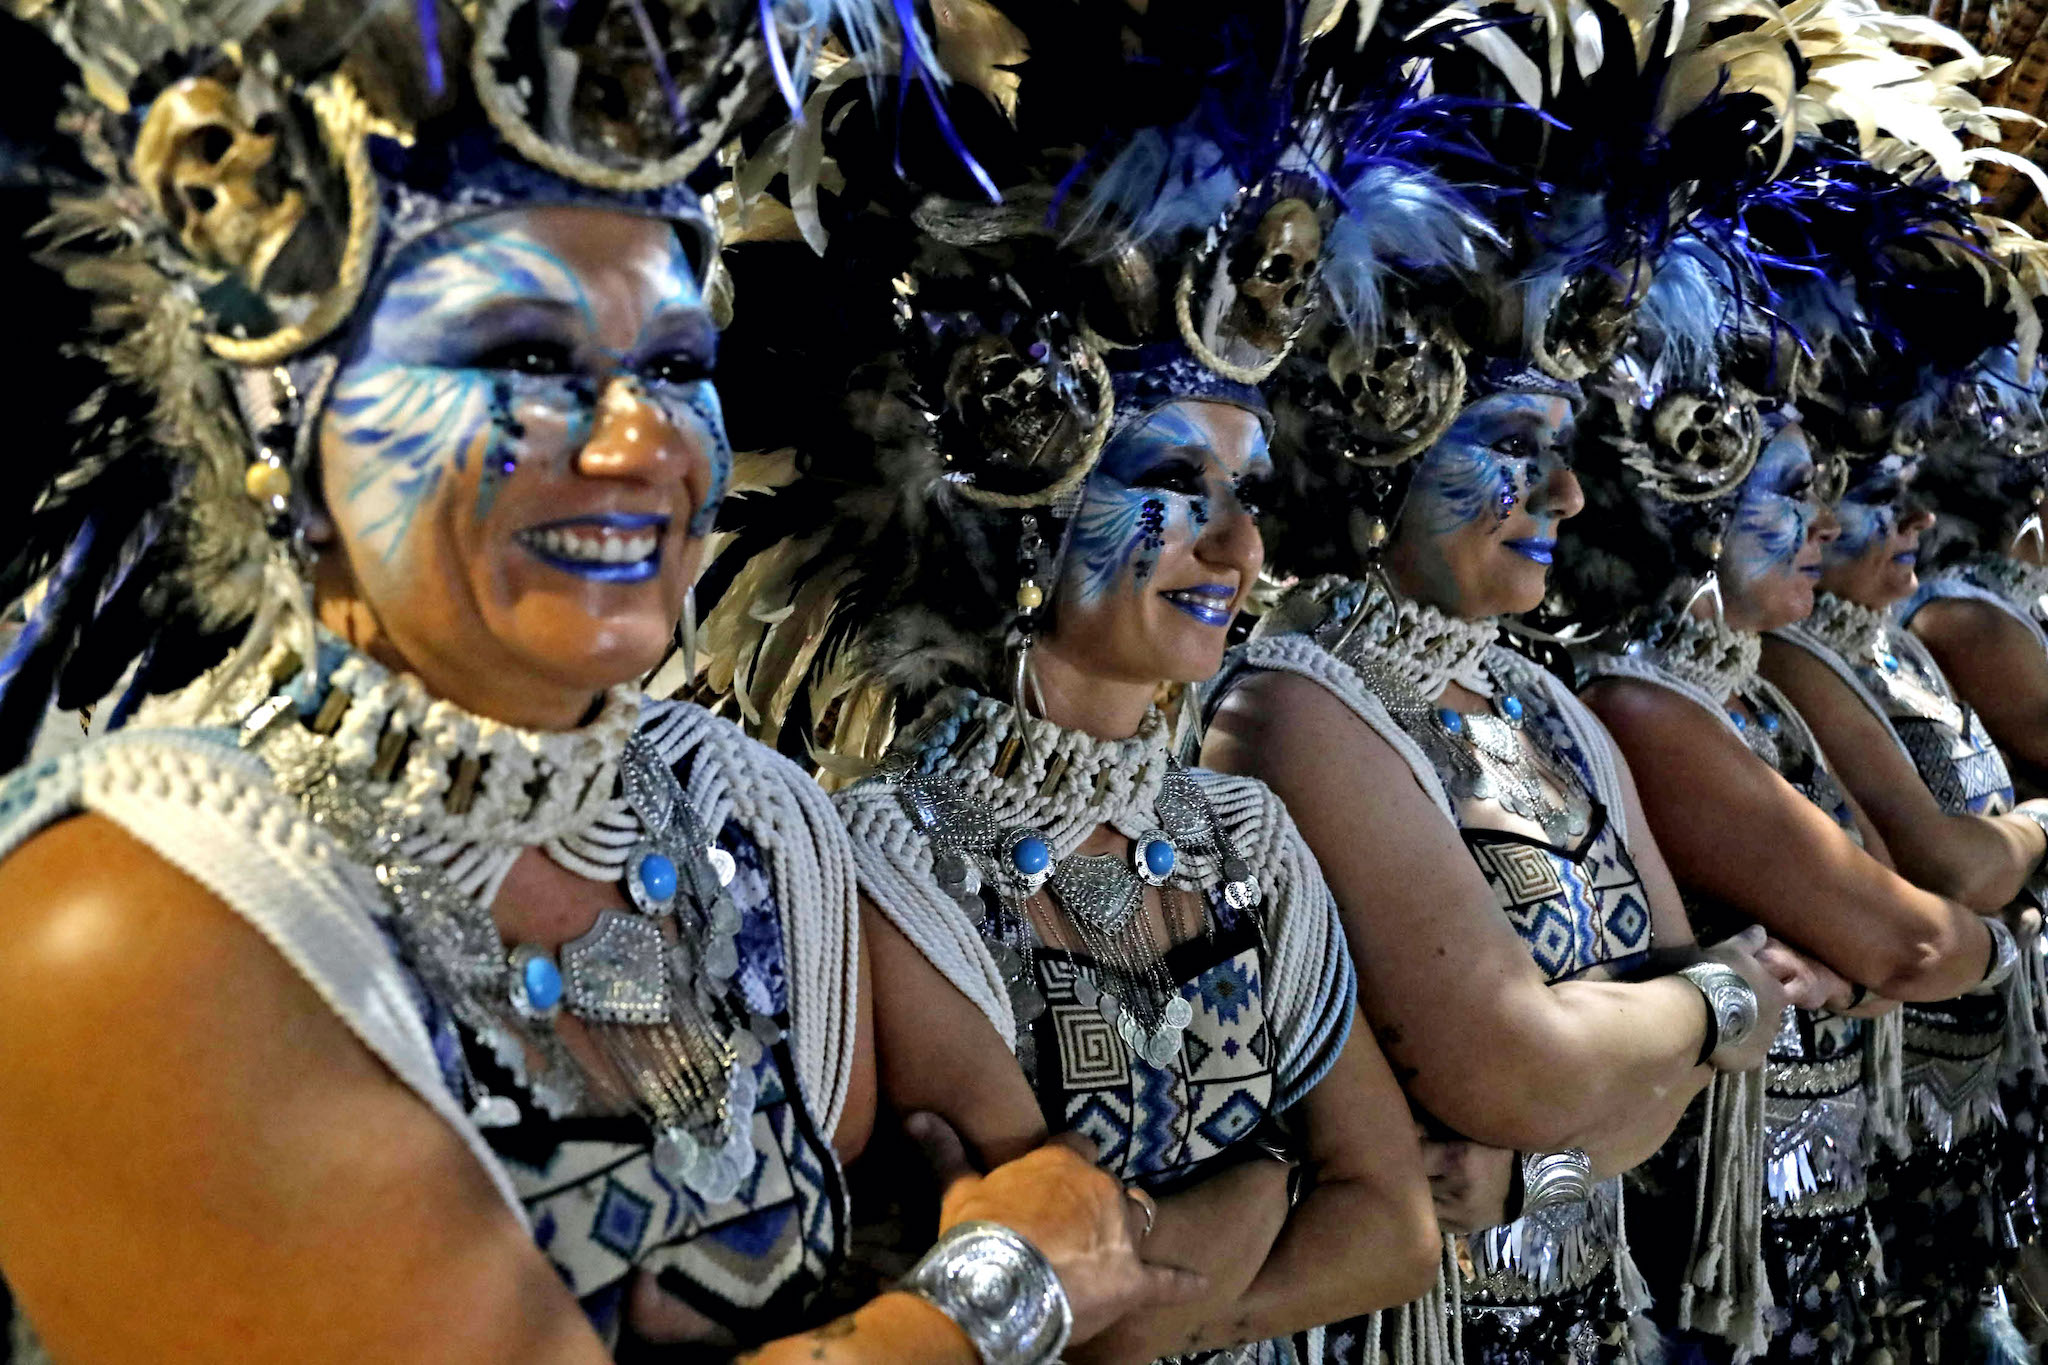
(1398, 221)
(56, 592)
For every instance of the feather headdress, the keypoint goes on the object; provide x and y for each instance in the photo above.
(1166, 237)
(245, 170)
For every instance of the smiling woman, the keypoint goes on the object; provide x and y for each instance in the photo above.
(496, 1011)
(523, 454)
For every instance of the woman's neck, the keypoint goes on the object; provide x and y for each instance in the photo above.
(1074, 699)
(524, 701)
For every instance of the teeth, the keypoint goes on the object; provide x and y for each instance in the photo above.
(598, 548)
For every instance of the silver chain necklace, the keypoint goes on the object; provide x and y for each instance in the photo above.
(652, 986)
(1102, 896)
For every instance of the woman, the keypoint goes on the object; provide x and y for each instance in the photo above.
(494, 1011)
(1081, 934)
(1939, 795)
(1348, 688)
(1978, 611)
(1499, 890)
(1698, 550)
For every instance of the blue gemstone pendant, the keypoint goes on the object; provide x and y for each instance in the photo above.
(1028, 857)
(1153, 856)
(536, 982)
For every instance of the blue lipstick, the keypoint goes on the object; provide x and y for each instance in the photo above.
(607, 547)
(1534, 548)
(1208, 603)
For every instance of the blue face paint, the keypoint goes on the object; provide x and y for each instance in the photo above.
(1497, 450)
(1155, 484)
(480, 331)
(1776, 510)
(1864, 525)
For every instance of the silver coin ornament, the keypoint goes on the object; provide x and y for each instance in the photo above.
(1162, 1047)
(1179, 1013)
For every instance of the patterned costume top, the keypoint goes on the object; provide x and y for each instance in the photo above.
(1577, 902)
(1268, 985)
(1954, 1048)
(212, 795)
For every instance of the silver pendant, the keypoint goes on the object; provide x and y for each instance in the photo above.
(1179, 1013)
(617, 972)
(1100, 892)
(1162, 1047)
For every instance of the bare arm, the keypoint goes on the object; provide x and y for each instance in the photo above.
(1367, 1210)
(1981, 861)
(1464, 1016)
(255, 1182)
(1798, 874)
(1996, 666)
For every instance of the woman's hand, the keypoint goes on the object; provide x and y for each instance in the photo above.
(1749, 953)
(1080, 1218)
(1808, 982)
(1469, 1184)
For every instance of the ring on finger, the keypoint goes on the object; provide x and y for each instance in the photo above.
(1147, 1205)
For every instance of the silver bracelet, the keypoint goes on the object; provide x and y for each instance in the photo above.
(2005, 955)
(1553, 1178)
(1731, 1004)
(998, 1289)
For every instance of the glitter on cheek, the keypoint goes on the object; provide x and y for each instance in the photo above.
(696, 406)
(1119, 528)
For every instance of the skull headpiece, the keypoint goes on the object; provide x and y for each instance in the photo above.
(1590, 321)
(1401, 390)
(1701, 445)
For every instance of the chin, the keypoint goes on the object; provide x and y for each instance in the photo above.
(600, 655)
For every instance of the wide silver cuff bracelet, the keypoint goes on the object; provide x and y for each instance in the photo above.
(999, 1289)
(1731, 1003)
(2005, 955)
(1553, 1178)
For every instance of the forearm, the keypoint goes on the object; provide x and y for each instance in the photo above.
(1583, 1060)
(1632, 1144)
(892, 1328)
(1981, 862)
(1223, 1227)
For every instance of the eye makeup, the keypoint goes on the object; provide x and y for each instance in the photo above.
(1156, 482)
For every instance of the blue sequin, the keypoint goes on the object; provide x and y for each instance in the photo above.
(543, 982)
(658, 876)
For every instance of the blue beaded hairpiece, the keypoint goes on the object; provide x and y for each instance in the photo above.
(1147, 378)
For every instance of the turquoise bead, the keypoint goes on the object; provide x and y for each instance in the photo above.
(1031, 856)
(658, 876)
(1741, 723)
(1889, 662)
(1451, 720)
(543, 982)
(1158, 857)
(1771, 722)
(1511, 706)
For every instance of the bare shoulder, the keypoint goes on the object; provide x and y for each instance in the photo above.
(1275, 725)
(188, 1120)
(1632, 709)
(1955, 622)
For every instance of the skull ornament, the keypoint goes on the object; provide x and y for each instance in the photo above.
(1276, 264)
(213, 172)
(1703, 444)
(1400, 392)
(1588, 325)
(1017, 411)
